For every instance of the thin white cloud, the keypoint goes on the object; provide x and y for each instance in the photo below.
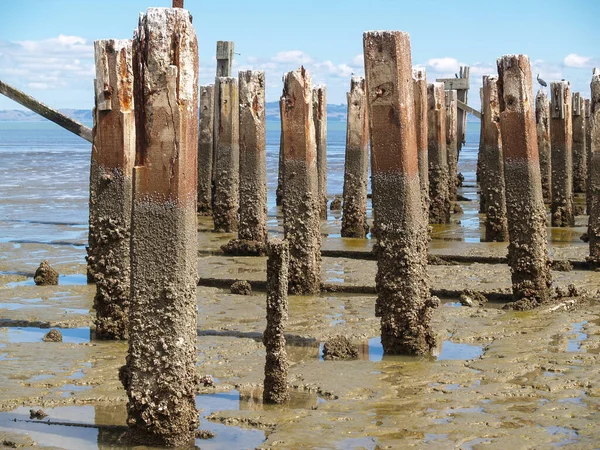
(576, 61)
(444, 65)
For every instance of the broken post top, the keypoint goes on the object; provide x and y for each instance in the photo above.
(177, 3)
(578, 104)
(357, 82)
(561, 98)
(388, 69)
(595, 88)
(542, 107)
(251, 93)
(436, 96)
(419, 75)
(114, 74)
(224, 58)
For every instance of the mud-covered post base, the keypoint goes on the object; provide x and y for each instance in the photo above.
(403, 302)
(528, 247)
(439, 194)
(542, 121)
(276, 365)
(356, 167)
(111, 170)
(160, 375)
(490, 148)
(561, 134)
(301, 222)
(594, 181)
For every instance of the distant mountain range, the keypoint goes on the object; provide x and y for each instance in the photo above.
(335, 113)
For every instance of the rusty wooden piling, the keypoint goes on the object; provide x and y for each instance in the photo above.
(403, 303)
(301, 222)
(451, 143)
(160, 375)
(279, 189)
(439, 195)
(253, 158)
(420, 97)
(594, 220)
(542, 120)
(356, 167)
(320, 118)
(528, 247)
(227, 155)
(205, 149)
(111, 171)
(276, 365)
(588, 151)
(561, 135)
(492, 164)
(579, 150)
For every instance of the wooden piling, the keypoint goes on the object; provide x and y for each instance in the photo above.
(301, 222)
(356, 167)
(492, 184)
(579, 150)
(227, 155)
(588, 151)
(594, 220)
(542, 120)
(420, 97)
(205, 149)
(561, 136)
(279, 190)
(224, 58)
(403, 303)
(528, 247)
(320, 118)
(276, 365)
(451, 143)
(111, 171)
(461, 84)
(160, 375)
(439, 195)
(253, 158)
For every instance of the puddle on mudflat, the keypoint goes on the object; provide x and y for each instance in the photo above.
(574, 345)
(460, 352)
(33, 334)
(68, 389)
(570, 436)
(367, 443)
(63, 280)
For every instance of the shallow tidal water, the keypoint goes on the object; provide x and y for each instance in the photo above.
(498, 379)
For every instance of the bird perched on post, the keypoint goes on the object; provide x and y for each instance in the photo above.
(542, 82)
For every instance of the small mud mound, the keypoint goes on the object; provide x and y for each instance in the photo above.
(339, 347)
(45, 275)
(53, 336)
(204, 434)
(585, 237)
(561, 266)
(207, 381)
(336, 204)
(241, 288)
(457, 209)
(472, 298)
(37, 414)
(240, 247)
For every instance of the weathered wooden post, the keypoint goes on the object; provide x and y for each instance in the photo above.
(160, 374)
(205, 149)
(279, 190)
(579, 150)
(111, 171)
(420, 95)
(588, 151)
(227, 155)
(224, 58)
(301, 222)
(542, 120)
(439, 195)
(461, 84)
(492, 184)
(253, 159)
(276, 366)
(594, 220)
(403, 302)
(528, 248)
(356, 168)
(320, 118)
(561, 134)
(451, 142)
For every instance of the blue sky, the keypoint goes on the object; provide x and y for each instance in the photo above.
(46, 46)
